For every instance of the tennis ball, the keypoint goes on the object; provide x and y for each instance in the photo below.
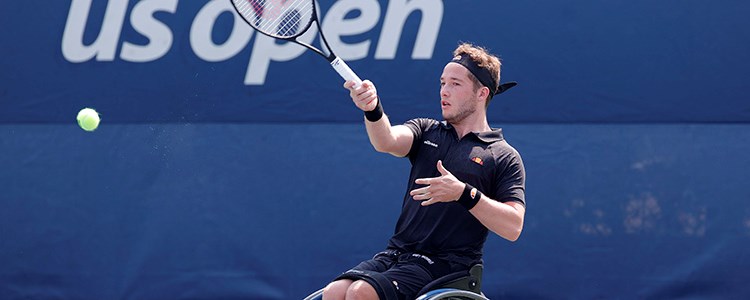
(88, 119)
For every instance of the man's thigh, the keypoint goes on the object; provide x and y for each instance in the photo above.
(408, 279)
(404, 274)
(402, 281)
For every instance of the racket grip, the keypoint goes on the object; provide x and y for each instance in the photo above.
(343, 69)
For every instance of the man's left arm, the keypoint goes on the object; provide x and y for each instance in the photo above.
(503, 218)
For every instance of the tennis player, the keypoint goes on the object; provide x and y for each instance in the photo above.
(465, 181)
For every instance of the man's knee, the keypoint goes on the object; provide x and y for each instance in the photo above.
(361, 290)
(336, 290)
(372, 282)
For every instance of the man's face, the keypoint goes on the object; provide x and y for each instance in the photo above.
(458, 97)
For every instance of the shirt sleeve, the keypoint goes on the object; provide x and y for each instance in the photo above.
(418, 127)
(511, 179)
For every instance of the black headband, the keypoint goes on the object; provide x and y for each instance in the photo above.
(482, 74)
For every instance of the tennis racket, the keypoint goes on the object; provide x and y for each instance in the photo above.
(287, 20)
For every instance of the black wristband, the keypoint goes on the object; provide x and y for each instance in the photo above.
(375, 114)
(470, 197)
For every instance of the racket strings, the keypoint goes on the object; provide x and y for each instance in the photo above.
(279, 18)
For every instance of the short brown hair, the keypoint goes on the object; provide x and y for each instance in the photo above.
(484, 59)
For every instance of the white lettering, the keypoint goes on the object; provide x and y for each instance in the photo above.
(105, 46)
(336, 26)
(203, 25)
(345, 18)
(159, 35)
(267, 49)
(395, 17)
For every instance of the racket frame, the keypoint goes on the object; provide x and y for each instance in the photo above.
(336, 62)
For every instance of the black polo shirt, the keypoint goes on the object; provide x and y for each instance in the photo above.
(485, 161)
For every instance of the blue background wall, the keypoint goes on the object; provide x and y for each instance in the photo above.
(631, 116)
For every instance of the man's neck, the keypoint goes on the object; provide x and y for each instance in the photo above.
(477, 123)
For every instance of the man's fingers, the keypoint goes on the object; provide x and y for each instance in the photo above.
(418, 191)
(367, 95)
(422, 180)
(422, 193)
(371, 102)
(365, 87)
(428, 202)
(350, 85)
(364, 96)
(425, 196)
(435, 189)
(442, 169)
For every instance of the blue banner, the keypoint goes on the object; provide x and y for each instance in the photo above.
(197, 61)
(229, 165)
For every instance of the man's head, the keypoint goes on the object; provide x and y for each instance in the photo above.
(468, 82)
(484, 67)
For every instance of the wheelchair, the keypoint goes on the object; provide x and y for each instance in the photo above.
(455, 286)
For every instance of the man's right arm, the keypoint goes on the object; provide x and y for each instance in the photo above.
(396, 140)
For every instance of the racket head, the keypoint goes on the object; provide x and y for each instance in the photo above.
(281, 19)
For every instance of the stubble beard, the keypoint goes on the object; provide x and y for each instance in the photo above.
(460, 115)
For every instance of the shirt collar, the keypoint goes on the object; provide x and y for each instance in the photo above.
(494, 135)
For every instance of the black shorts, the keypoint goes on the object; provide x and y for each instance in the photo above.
(408, 272)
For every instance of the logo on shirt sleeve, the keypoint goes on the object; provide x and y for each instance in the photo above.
(477, 160)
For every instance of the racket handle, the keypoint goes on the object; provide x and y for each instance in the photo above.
(343, 69)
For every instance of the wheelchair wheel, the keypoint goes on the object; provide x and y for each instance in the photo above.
(451, 294)
(318, 295)
(441, 294)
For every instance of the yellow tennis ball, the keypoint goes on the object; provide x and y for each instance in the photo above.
(88, 119)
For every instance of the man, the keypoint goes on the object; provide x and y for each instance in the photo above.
(465, 180)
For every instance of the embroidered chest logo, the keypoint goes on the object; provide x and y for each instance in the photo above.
(477, 160)
(426, 142)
